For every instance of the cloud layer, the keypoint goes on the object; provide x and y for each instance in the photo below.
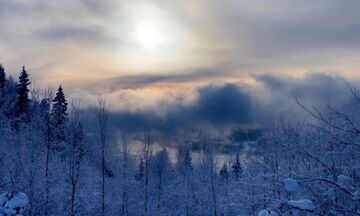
(215, 106)
(218, 107)
(87, 40)
(224, 63)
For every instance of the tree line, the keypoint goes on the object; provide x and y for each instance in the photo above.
(293, 168)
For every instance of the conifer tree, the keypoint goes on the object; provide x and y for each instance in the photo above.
(2, 86)
(22, 92)
(236, 167)
(59, 115)
(2, 77)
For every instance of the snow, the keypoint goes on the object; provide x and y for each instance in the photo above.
(344, 181)
(303, 204)
(7, 211)
(291, 185)
(18, 201)
(3, 198)
(356, 195)
(12, 204)
(265, 212)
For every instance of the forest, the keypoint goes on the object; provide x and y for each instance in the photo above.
(53, 164)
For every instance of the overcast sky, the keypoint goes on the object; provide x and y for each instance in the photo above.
(144, 53)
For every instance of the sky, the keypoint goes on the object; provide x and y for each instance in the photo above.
(165, 58)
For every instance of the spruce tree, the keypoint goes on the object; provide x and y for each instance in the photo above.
(2, 87)
(2, 77)
(236, 167)
(59, 115)
(22, 92)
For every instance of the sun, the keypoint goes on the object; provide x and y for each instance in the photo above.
(150, 35)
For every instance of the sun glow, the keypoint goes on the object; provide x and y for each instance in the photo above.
(150, 35)
(150, 32)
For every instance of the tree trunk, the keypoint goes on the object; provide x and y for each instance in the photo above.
(103, 181)
(47, 182)
(213, 189)
(124, 206)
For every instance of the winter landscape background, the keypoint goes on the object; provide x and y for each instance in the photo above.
(179, 108)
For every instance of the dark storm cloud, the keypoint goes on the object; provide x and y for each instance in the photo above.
(216, 106)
